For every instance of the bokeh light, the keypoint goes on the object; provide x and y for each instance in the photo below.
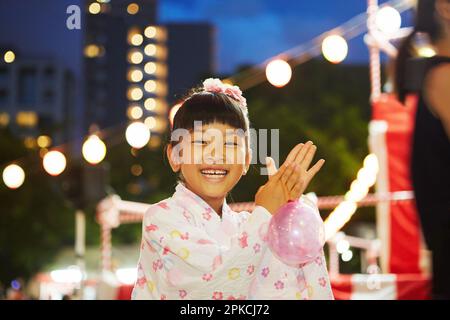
(9, 56)
(135, 57)
(150, 49)
(44, 141)
(135, 93)
(54, 163)
(137, 135)
(135, 75)
(13, 176)
(150, 122)
(133, 8)
(94, 8)
(388, 20)
(150, 32)
(150, 67)
(150, 85)
(334, 48)
(278, 72)
(94, 149)
(135, 112)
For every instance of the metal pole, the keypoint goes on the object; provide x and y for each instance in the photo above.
(80, 247)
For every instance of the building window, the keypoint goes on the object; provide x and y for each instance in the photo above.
(48, 96)
(3, 96)
(3, 76)
(49, 74)
(27, 86)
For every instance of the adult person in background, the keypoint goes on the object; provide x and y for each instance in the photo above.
(431, 143)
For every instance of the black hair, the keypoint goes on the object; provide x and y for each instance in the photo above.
(425, 21)
(210, 107)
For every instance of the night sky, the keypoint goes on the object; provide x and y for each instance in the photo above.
(249, 31)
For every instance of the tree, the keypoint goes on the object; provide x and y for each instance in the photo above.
(35, 220)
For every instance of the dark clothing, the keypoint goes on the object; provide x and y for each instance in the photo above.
(431, 181)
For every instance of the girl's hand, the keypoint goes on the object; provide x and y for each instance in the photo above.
(302, 154)
(283, 186)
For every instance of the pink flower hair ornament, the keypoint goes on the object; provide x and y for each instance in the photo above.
(217, 86)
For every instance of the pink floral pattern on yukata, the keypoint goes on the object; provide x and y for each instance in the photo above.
(151, 227)
(217, 295)
(207, 215)
(318, 260)
(157, 265)
(182, 293)
(188, 253)
(322, 281)
(164, 205)
(207, 276)
(250, 269)
(279, 285)
(243, 240)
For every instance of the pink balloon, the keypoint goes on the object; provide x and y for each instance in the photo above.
(296, 233)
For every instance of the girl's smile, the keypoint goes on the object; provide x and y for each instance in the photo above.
(214, 174)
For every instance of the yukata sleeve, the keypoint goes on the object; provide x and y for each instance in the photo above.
(317, 279)
(315, 272)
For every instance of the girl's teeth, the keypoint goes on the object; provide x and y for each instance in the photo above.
(214, 172)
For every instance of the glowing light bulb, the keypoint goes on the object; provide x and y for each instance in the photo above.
(137, 135)
(334, 48)
(388, 20)
(94, 150)
(13, 176)
(54, 162)
(278, 72)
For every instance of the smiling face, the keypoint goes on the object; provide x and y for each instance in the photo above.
(212, 158)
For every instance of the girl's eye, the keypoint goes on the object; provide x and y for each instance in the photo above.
(231, 143)
(199, 141)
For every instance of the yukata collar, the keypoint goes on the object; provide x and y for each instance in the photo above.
(196, 203)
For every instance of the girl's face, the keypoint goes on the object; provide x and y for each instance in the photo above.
(212, 159)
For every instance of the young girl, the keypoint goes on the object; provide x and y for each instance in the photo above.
(193, 245)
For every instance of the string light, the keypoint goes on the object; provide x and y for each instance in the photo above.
(388, 20)
(54, 163)
(94, 149)
(278, 72)
(137, 135)
(359, 188)
(13, 176)
(334, 48)
(355, 25)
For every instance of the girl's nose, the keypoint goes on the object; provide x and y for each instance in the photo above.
(213, 155)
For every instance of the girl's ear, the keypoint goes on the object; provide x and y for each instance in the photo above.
(173, 159)
(248, 160)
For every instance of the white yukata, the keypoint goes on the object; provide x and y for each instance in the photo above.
(189, 252)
